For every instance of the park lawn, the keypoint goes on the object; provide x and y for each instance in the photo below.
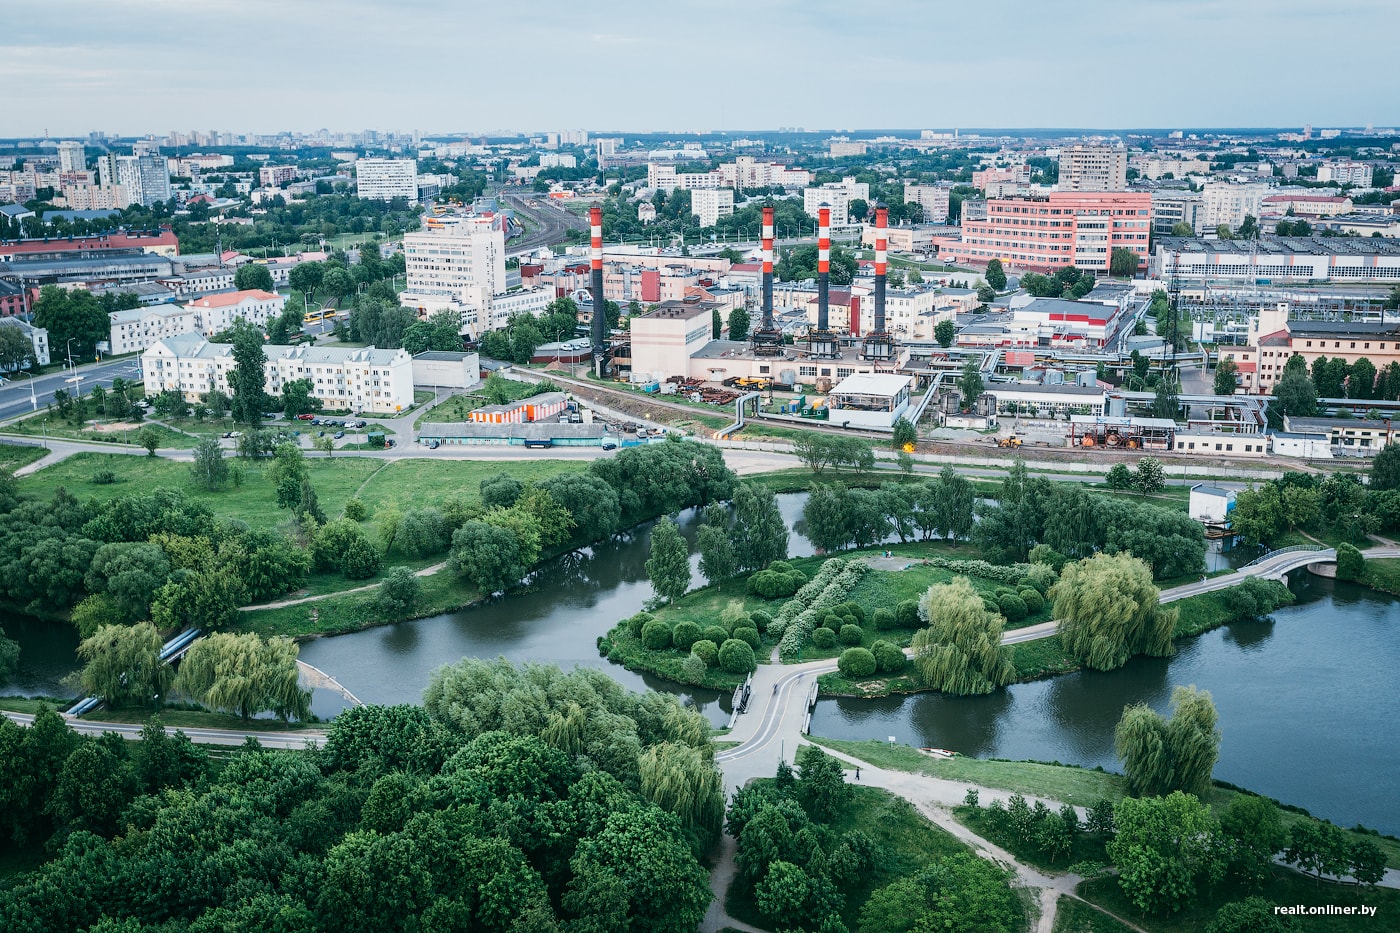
(14, 456)
(908, 842)
(1075, 916)
(33, 705)
(1382, 574)
(443, 592)
(1087, 847)
(452, 409)
(1286, 887)
(255, 502)
(52, 426)
(414, 483)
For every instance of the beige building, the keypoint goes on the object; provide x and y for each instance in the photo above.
(96, 197)
(1228, 204)
(933, 199)
(453, 263)
(665, 338)
(710, 204)
(218, 312)
(138, 328)
(1273, 339)
(1093, 168)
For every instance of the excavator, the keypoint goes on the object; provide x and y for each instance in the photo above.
(1012, 441)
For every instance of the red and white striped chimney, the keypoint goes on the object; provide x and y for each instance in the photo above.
(600, 318)
(882, 219)
(767, 268)
(823, 268)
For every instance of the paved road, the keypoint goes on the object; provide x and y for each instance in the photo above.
(16, 401)
(296, 739)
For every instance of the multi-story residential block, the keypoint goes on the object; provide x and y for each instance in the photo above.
(458, 263)
(38, 339)
(144, 175)
(72, 156)
(1061, 229)
(558, 160)
(743, 172)
(342, 378)
(217, 313)
(273, 176)
(838, 148)
(837, 196)
(136, 329)
(932, 199)
(710, 204)
(1346, 173)
(1093, 168)
(96, 197)
(1014, 175)
(1307, 205)
(1229, 204)
(384, 179)
(1170, 208)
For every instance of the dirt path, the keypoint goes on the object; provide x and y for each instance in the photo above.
(717, 918)
(283, 603)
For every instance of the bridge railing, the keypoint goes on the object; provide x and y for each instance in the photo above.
(1291, 549)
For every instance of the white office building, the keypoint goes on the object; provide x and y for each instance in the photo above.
(342, 378)
(837, 196)
(383, 179)
(710, 204)
(458, 264)
(137, 329)
(217, 313)
(933, 199)
(1228, 204)
(72, 157)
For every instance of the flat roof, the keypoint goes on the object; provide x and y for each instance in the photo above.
(1212, 491)
(1066, 388)
(1282, 246)
(443, 356)
(872, 384)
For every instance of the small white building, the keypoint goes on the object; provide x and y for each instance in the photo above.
(38, 338)
(869, 400)
(1306, 445)
(135, 329)
(446, 369)
(1211, 504)
(217, 313)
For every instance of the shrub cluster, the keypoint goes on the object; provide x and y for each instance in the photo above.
(779, 581)
(797, 631)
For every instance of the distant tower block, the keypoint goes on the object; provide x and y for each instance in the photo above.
(600, 316)
(767, 340)
(822, 343)
(879, 345)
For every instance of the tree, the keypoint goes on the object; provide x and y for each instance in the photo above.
(1226, 377)
(960, 652)
(683, 780)
(1318, 848)
(1123, 262)
(996, 275)
(244, 674)
(1108, 611)
(960, 892)
(1361, 383)
(253, 275)
(759, 534)
(717, 560)
(738, 324)
(1119, 477)
(149, 438)
(16, 350)
(74, 315)
(122, 664)
(1149, 477)
(1296, 396)
(858, 208)
(1351, 563)
(1385, 469)
(1253, 834)
(905, 435)
(1165, 850)
(248, 378)
(944, 332)
(1166, 403)
(297, 398)
(488, 556)
(668, 568)
(305, 277)
(821, 785)
(970, 383)
(337, 282)
(1163, 755)
(1249, 229)
(1224, 232)
(209, 470)
(399, 592)
(1182, 229)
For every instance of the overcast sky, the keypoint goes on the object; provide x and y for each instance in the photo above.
(141, 66)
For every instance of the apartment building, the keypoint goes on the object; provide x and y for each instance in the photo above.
(1063, 228)
(274, 176)
(1307, 205)
(1170, 208)
(38, 338)
(96, 197)
(384, 179)
(743, 172)
(456, 263)
(932, 199)
(1093, 168)
(1012, 175)
(72, 156)
(217, 313)
(1229, 204)
(1343, 173)
(144, 175)
(137, 329)
(837, 196)
(342, 378)
(710, 204)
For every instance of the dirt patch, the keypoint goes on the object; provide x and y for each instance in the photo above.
(113, 427)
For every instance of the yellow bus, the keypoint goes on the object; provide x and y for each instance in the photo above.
(314, 317)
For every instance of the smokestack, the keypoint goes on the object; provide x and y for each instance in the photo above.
(882, 219)
(767, 269)
(823, 268)
(600, 317)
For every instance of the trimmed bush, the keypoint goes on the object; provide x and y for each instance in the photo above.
(736, 657)
(760, 619)
(656, 635)
(637, 622)
(888, 657)
(684, 635)
(1013, 607)
(1033, 600)
(824, 638)
(856, 663)
(852, 634)
(852, 609)
(772, 584)
(749, 636)
(361, 560)
(693, 669)
(906, 613)
(706, 650)
(990, 604)
(355, 509)
(884, 619)
(1351, 563)
(715, 633)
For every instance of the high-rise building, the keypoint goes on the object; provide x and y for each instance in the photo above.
(144, 175)
(710, 204)
(932, 198)
(836, 195)
(72, 157)
(1228, 204)
(1065, 228)
(1094, 168)
(459, 263)
(383, 179)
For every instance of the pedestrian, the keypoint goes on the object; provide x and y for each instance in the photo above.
(857, 774)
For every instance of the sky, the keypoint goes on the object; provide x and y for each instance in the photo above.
(132, 67)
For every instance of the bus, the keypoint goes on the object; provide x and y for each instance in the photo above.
(315, 317)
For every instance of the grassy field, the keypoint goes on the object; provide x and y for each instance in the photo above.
(1075, 916)
(98, 432)
(14, 456)
(908, 841)
(1087, 847)
(32, 704)
(1383, 574)
(455, 408)
(1285, 888)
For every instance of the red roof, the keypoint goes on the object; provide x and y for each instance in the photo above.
(225, 299)
(162, 239)
(746, 267)
(1245, 367)
(1278, 338)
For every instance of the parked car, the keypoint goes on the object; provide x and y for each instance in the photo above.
(609, 444)
(542, 442)
(338, 435)
(432, 445)
(389, 442)
(305, 417)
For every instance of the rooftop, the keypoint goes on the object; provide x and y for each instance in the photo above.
(679, 310)
(1282, 246)
(872, 384)
(225, 299)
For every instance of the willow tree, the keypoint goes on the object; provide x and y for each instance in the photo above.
(122, 664)
(960, 652)
(1161, 755)
(1108, 611)
(244, 674)
(684, 780)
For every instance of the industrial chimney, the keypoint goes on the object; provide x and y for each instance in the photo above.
(822, 343)
(879, 346)
(600, 317)
(766, 340)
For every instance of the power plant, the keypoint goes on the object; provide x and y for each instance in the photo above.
(879, 345)
(600, 315)
(822, 344)
(766, 339)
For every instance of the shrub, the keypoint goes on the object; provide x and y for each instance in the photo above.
(1047, 556)
(693, 669)
(635, 623)
(1041, 577)
(399, 592)
(824, 637)
(884, 619)
(685, 635)
(736, 657)
(749, 636)
(856, 663)
(888, 657)
(760, 619)
(715, 633)
(1033, 600)
(104, 478)
(1013, 607)
(1351, 564)
(733, 615)
(990, 604)
(772, 584)
(656, 635)
(706, 650)
(852, 634)
(852, 609)
(906, 613)
(355, 509)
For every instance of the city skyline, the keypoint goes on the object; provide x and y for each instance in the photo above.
(147, 66)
